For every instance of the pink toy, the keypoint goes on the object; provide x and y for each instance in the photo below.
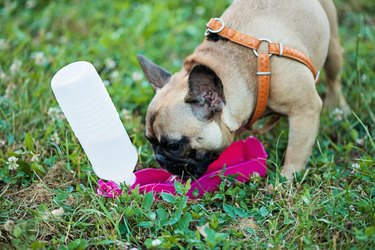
(241, 158)
(108, 189)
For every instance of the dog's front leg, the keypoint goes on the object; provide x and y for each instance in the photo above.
(303, 129)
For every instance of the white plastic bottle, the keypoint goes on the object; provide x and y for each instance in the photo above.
(90, 112)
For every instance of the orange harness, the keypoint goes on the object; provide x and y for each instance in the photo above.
(217, 26)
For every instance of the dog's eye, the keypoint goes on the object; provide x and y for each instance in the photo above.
(174, 147)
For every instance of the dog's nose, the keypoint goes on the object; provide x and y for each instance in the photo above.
(160, 158)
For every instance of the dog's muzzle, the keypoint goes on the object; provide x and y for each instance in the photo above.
(186, 167)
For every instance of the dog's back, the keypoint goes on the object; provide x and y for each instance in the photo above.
(300, 24)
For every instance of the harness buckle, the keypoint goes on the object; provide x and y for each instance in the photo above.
(262, 40)
(211, 31)
(281, 49)
(261, 73)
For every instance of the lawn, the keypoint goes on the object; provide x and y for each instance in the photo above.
(47, 186)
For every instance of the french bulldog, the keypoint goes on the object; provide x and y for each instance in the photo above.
(197, 112)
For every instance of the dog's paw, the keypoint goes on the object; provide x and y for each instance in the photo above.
(332, 103)
(288, 174)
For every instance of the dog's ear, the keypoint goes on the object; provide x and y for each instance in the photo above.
(206, 93)
(155, 74)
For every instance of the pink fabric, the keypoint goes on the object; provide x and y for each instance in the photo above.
(108, 189)
(242, 158)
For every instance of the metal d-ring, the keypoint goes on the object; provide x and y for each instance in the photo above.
(262, 40)
(209, 30)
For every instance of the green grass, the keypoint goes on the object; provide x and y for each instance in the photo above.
(331, 206)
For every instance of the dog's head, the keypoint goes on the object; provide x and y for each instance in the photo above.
(183, 120)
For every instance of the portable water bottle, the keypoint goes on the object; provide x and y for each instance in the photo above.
(90, 112)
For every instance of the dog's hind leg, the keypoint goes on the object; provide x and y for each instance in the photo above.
(334, 97)
(333, 65)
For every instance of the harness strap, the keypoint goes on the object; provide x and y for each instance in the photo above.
(217, 26)
(264, 77)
